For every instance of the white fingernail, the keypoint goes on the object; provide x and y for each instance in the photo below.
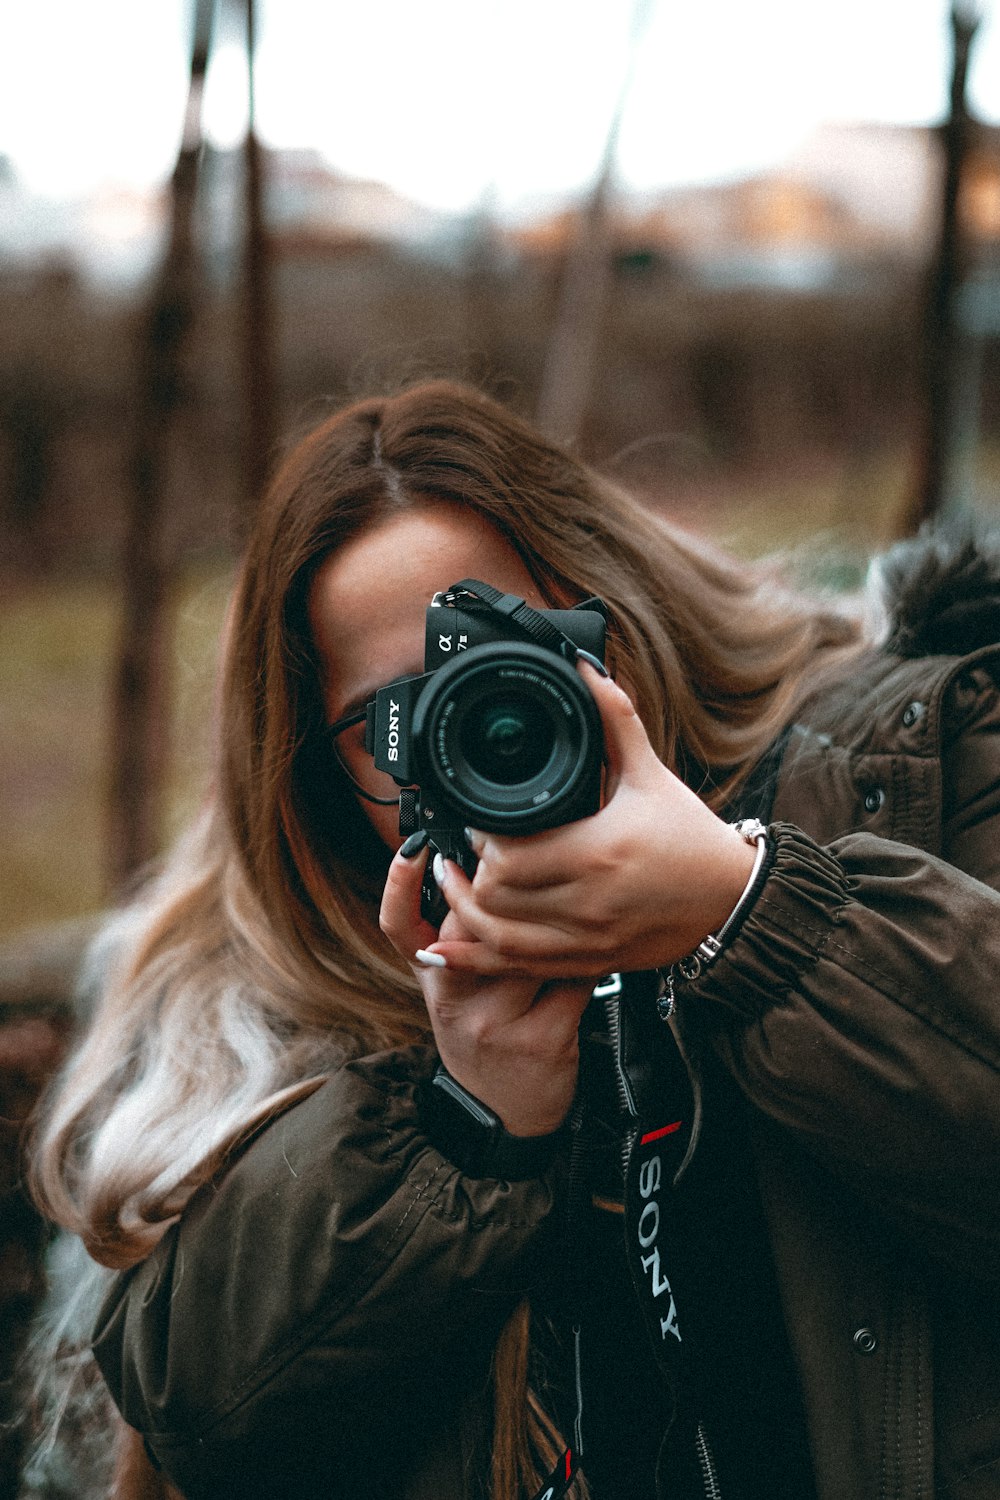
(474, 839)
(431, 960)
(438, 868)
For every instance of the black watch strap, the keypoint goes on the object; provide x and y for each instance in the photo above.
(467, 1131)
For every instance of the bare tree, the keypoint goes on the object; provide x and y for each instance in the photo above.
(140, 700)
(258, 329)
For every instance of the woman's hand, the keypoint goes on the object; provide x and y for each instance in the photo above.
(512, 1042)
(636, 886)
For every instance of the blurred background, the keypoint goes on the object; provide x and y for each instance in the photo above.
(747, 258)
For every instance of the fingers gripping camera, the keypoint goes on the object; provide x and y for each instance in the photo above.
(499, 732)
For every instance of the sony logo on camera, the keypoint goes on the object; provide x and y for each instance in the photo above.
(387, 736)
(392, 738)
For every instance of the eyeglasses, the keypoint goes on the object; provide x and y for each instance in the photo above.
(348, 738)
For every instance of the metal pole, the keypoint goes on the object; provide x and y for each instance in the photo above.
(941, 342)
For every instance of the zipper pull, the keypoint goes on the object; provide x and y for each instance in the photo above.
(666, 1001)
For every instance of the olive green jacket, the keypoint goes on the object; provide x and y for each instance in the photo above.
(322, 1319)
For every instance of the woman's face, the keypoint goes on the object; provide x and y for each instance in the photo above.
(366, 612)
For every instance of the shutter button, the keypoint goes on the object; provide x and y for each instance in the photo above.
(865, 1341)
(874, 799)
(912, 713)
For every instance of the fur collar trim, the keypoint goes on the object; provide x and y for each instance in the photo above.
(939, 593)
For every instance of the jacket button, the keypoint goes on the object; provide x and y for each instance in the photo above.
(911, 713)
(874, 799)
(865, 1341)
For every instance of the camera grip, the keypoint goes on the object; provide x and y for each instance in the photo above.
(433, 906)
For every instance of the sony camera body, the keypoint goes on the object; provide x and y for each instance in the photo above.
(499, 732)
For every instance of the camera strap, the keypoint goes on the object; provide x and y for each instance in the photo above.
(562, 1475)
(657, 1118)
(530, 621)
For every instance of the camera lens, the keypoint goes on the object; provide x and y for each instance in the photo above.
(506, 741)
(507, 737)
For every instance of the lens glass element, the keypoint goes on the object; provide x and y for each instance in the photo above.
(506, 740)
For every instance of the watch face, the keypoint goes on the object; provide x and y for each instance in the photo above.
(474, 1108)
(471, 1136)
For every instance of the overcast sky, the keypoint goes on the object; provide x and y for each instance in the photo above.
(447, 99)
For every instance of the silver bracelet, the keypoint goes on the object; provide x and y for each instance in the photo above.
(752, 831)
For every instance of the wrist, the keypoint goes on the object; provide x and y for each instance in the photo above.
(723, 883)
(473, 1136)
(753, 833)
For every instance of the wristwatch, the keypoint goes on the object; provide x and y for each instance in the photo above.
(468, 1133)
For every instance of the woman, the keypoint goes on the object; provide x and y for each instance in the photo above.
(362, 1177)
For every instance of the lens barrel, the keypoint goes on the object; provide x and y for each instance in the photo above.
(507, 737)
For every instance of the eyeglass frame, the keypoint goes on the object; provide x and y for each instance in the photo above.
(348, 721)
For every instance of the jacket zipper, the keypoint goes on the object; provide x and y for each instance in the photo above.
(626, 1100)
(706, 1463)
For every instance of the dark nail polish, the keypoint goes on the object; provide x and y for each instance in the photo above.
(594, 661)
(415, 843)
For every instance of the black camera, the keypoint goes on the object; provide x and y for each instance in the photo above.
(499, 732)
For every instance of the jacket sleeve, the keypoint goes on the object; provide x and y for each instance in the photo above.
(859, 1006)
(317, 1313)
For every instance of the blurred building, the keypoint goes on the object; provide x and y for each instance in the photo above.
(851, 197)
(771, 322)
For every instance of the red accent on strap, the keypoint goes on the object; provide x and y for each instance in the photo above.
(654, 1135)
(569, 1463)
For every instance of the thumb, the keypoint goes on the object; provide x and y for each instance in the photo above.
(625, 740)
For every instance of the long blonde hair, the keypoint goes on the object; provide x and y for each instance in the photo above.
(253, 962)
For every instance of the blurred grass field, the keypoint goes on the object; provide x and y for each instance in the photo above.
(57, 656)
(58, 640)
